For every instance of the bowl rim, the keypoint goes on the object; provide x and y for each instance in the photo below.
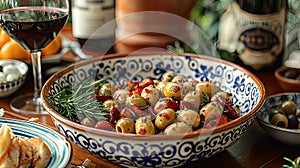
(199, 132)
(274, 127)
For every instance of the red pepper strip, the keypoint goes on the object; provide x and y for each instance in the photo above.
(176, 89)
(146, 82)
(231, 112)
(228, 109)
(102, 98)
(186, 105)
(172, 104)
(166, 115)
(127, 113)
(114, 115)
(151, 113)
(105, 125)
(137, 111)
(138, 91)
(217, 122)
(142, 131)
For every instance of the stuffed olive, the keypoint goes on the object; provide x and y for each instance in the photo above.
(144, 126)
(125, 125)
(165, 118)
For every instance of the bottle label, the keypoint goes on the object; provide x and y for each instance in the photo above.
(91, 18)
(260, 37)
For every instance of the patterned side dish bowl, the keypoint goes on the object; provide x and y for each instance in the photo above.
(274, 103)
(13, 74)
(131, 150)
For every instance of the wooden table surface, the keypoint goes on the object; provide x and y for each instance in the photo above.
(254, 149)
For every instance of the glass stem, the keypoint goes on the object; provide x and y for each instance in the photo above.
(37, 75)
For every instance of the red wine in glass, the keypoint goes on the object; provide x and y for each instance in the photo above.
(33, 27)
(33, 33)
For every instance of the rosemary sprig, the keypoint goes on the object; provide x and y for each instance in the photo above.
(77, 102)
(294, 163)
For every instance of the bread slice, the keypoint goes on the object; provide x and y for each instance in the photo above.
(41, 153)
(11, 158)
(18, 152)
(25, 154)
(6, 136)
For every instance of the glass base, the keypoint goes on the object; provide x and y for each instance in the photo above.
(27, 105)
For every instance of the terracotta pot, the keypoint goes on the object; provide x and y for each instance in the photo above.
(145, 23)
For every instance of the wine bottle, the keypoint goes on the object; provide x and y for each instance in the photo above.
(93, 24)
(257, 33)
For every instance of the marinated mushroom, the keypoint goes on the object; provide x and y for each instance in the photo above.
(178, 128)
(207, 87)
(136, 99)
(211, 111)
(151, 94)
(160, 87)
(193, 99)
(160, 105)
(179, 79)
(187, 87)
(168, 76)
(120, 96)
(189, 116)
(225, 96)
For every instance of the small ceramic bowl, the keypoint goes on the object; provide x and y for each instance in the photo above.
(288, 83)
(12, 76)
(273, 102)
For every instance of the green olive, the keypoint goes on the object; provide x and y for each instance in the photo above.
(172, 90)
(280, 120)
(289, 107)
(272, 113)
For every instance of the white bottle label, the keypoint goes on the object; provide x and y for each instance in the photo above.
(88, 17)
(260, 37)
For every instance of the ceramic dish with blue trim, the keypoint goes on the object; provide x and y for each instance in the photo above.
(59, 146)
(131, 150)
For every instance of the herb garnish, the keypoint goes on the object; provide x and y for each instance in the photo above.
(78, 101)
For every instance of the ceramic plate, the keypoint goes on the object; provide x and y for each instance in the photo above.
(59, 146)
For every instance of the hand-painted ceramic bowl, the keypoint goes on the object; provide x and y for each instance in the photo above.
(59, 146)
(12, 76)
(132, 150)
(272, 103)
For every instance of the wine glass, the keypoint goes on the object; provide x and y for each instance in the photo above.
(33, 24)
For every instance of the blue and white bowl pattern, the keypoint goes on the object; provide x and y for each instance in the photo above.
(160, 151)
(59, 146)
